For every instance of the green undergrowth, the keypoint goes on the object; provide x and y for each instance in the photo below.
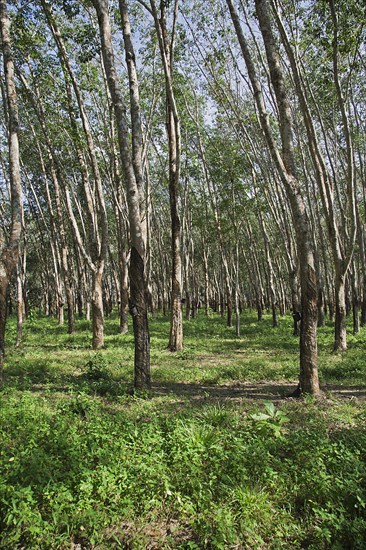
(204, 460)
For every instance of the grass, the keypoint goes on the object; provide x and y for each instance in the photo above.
(214, 457)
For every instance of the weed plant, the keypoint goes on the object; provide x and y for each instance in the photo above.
(213, 457)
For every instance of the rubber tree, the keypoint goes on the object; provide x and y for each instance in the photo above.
(9, 243)
(99, 227)
(166, 47)
(341, 224)
(58, 226)
(285, 162)
(130, 149)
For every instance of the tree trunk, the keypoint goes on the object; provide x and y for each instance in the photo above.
(309, 382)
(229, 303)
(3, 293)
(237, 311)
(207, 281)
(176, 321)
(296, 315)
(331, 310)
(97, 309)
(123, 311)
(321, 316)
(259, 309)
(355, 301)
(285, 163)
(363, 307)
(9, 251)
(274, 315)
(132, 168)
(60, 308)
(20, 307)
(70, 308)
(340, 340)
(166, 46)
(138, 311)
(188, 305)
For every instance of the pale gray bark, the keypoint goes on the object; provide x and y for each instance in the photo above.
(9, 248)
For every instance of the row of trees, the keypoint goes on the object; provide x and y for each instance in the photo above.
(212, 155)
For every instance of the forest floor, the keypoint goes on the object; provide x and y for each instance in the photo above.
(216, 455)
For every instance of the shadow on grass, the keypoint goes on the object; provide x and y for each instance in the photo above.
(346, 391)
(249, 391)
(261, 353)
(38, 376)
(207, 392)
(39, 379)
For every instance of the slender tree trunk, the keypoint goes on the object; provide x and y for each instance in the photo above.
(70, 308)
(3, 293)
(282, 302)
(176, 322)
(363, 307)
(270, 270)
(187, 263)
(166, 46)
(259, 309)
(229, 305)
(87, 309)
(340, 340)
(207, 281)
(79, 287)
(60, 307)
(123, 319)
(355, 300)
(9, 251)
(97, 309)
(20, 307)
(188, 305)
(237, 301)
(321, 316)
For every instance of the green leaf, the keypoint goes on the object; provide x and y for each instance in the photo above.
(270, 408)
(260, 417)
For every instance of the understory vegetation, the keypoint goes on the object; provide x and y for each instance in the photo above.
(215, 456)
